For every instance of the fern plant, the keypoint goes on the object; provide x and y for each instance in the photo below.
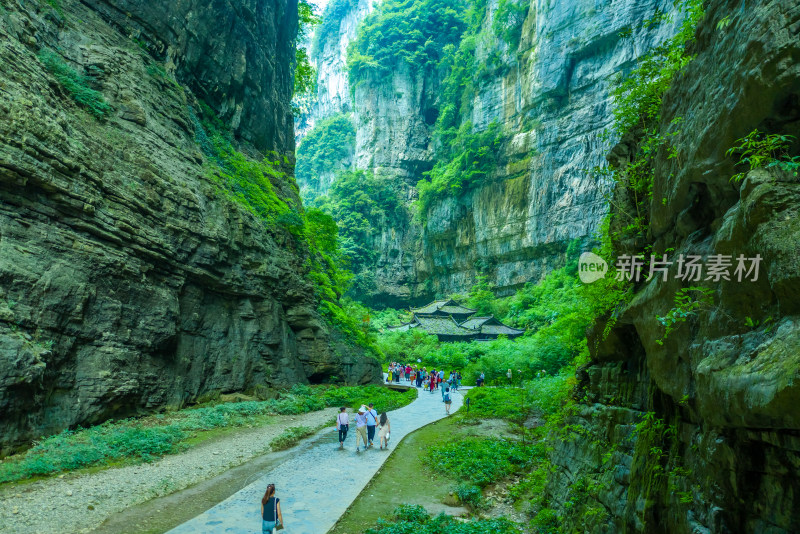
(758, 150)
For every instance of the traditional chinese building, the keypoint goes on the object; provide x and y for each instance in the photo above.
(450, 321)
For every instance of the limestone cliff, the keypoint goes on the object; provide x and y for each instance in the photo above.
(550, 95)
(330, 55)
(704, 429)
(128, 279)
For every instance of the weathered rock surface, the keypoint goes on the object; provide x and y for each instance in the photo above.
(553, 102)
(333, 88)
(722, 450)
(128, 279)
(235, 55)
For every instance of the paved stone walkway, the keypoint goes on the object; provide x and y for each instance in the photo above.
(318, 484)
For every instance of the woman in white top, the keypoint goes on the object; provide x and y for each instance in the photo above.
(383, 433)
(342, 425)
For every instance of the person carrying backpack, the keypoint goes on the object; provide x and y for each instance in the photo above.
(447, 400)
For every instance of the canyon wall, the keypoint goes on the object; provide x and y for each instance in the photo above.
(129, 279)
(699, 432)
(550, 95)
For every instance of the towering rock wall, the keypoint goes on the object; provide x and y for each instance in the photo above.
(330, 56)
(554, 105)
(704, 428)
(129, 280)
(551, 97)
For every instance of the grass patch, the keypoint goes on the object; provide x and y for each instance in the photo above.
(385, 399)
(408, 519)
(289, 437)
(481, 461)
(76, 85)
(149, 438)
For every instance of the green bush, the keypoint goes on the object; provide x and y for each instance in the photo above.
(470, 495)
(501, 403)
(103, 444)
(405, 32)
(414, 519)
(385, 399)
(481, 461)
(325, 148)
(546, 522)
(75, 84)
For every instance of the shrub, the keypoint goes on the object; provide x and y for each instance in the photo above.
(403, 32)
(414, 519)
(481, 461)
(546, 522)
(325, 148)
(75, 84)
(470, 495)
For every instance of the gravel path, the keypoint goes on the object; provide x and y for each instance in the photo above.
(318, 484)
(79, 503)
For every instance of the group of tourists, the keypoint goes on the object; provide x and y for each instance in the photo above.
(368, 423)
(421, 377)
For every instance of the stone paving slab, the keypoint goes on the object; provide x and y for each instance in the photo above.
(319, 483)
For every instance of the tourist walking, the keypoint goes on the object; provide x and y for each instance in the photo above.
(271, 515)
(372, 421)
(383, 432)
(480, 380)
(508, 374)
(361, 427)
(342, 425)
(408, 373)
(447, 399)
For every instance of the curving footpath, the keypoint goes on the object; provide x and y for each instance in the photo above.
(318, 484)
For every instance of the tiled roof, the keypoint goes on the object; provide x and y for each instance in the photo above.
(497, 329)
(405, 327)
(443, 326)
(430, 308)
(457, 310)
(474, 322)
(444, 306)
(437, 318)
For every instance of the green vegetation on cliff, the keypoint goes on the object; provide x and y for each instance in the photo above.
(467, 157)
(253, 185)
(305, 76)
(638, 99)
(77, 85)
(332, 16)
(325, 149)
(361, 204)
(405, 33)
